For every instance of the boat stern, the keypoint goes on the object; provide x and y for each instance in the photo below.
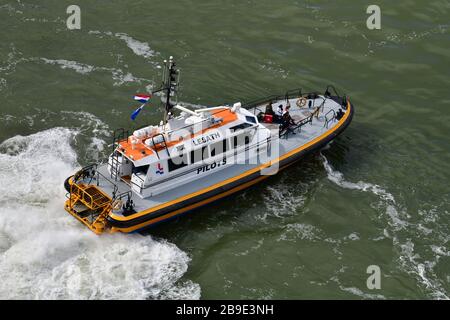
(87, 202)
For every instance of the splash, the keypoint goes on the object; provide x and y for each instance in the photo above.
(46, 254)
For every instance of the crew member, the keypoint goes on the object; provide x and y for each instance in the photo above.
(287, 120)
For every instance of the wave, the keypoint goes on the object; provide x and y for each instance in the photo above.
(46, 254)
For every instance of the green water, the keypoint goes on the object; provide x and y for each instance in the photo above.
(379, 195)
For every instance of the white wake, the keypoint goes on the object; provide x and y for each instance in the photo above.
(46, 254)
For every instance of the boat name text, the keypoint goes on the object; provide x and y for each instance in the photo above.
(206, 138)
(212, 166)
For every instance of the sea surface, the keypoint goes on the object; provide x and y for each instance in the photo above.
(379, 195)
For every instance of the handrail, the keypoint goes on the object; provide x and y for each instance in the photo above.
(163, 141)
(300, 124)
(327, 121)
(86, 198)
(122, 195)
(119, 134)
(288, 95)
(255, 104)
(90, 171)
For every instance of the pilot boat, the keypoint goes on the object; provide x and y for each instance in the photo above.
(196, 156)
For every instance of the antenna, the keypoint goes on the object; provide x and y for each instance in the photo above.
(170, 85)
(170, 82)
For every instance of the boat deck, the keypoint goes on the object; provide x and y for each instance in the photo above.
(301, 136)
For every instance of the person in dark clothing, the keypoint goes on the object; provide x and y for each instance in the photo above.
(268, 116)
(269, 109)
(287, 117)
(280, 110)
(287, 120)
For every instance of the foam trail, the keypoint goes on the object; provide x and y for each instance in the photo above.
(408, 259)
(139, 48)
(68, 64)
(338, 178)
(280, 201)
(46, 254)
(118, 75)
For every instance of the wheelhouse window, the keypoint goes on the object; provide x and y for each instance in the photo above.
(241, 126)
(250, 119)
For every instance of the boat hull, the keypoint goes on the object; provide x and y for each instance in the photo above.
(171, 209)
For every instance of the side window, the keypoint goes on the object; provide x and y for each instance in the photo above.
(250, 119)
(199, 154)
(177, 162)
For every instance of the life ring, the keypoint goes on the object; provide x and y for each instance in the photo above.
(117, 205)
(301, 102)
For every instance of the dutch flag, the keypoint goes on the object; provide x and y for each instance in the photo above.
(143, 98)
